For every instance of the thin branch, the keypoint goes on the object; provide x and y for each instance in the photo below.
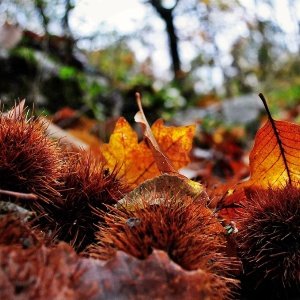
(25, 196)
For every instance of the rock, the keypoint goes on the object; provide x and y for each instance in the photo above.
(244, 109)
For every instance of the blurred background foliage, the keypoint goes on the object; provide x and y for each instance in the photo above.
(218, 49)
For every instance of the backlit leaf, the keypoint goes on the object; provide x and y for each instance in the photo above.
(135, 159)
(274, 161)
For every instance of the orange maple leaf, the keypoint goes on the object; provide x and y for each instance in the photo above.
(135, 160)
(274, 162)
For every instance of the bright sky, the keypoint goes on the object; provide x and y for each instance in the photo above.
(129, 16)
(126, 16)
(123, 15)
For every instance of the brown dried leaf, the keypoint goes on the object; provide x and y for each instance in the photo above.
(162, 161)
(43, 273)
(163, 185)
(157, 277)
(17, 111)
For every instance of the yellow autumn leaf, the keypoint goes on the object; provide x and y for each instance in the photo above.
(135, 160)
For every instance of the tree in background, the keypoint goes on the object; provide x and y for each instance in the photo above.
(220, 47)
(167, 14)
(243, 45)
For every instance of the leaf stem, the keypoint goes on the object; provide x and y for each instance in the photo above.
(282, 152)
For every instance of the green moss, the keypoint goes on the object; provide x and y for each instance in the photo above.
(25, 53)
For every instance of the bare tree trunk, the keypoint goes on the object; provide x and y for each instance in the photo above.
(70, 42)
(41, 6)
(69, 5)
(167, 15)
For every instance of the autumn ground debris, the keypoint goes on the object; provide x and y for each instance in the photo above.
(107, 206)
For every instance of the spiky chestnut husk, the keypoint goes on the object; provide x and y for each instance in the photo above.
(88, 185)
(30, 162)
(185, 229)
(269, 243)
